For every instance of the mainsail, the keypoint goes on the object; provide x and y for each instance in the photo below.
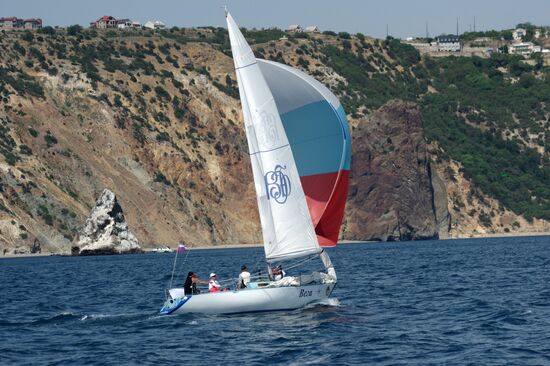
(287, 226)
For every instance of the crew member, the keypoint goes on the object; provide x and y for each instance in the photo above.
(190, 285)
(214, 285)
(244, 277)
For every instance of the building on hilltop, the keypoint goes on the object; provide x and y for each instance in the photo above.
(10, 23)
(123, 23)
(295, 28)
(33, 23)
(448, 43)
(524, 48)
(519, 33)
(157, 24)
(311, 29)
(104, 22)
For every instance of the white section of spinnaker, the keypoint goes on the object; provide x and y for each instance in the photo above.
(316, 85)
(286, 223)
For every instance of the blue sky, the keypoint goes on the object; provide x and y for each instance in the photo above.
(403, 17)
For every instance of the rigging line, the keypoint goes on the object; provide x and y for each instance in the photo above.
(265, 151)
(250, 64)
(174, 268)
(184, 260)
(301, 262)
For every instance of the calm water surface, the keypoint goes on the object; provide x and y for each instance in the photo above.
(482, 302)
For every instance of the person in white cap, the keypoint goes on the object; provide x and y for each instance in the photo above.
(214, 285)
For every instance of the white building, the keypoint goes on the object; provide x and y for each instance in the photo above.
(311, 29)
(34, 23)
(123, 23)
(524, 48)
(448, 43)
(157, 24)
(10, 23)
(294, 28)
(518, 34)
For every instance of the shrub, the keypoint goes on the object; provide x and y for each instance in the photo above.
(73, 30)
(344, 35)
(162, 93)
(50, 139)
(159, 177)
(24, 149)
(163, 136)
(46, 30)
(33, 132)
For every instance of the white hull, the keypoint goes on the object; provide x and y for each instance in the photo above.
(248, 300)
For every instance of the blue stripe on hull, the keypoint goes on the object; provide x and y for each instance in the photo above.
(170, 309)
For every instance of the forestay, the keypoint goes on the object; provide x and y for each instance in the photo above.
(287, 227)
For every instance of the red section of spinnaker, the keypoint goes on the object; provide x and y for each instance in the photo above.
(326, 200)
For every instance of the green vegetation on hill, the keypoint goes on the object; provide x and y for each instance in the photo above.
(474, 92)
(369, 87)
(487, 114)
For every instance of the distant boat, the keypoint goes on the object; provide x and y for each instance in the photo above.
(162, 250)
(300, 151)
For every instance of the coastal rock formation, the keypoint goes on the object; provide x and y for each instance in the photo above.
(391, 196)
(161, 121)
(441, 210)
(106, 231)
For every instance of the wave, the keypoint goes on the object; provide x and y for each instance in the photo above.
(57, 318)
(331, 301)
(68, 316)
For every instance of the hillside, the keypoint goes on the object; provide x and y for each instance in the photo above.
(155, 117)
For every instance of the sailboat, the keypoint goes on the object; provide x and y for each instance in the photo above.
(300, 152)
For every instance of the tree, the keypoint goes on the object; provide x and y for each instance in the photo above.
(28, 36)
(73, 30)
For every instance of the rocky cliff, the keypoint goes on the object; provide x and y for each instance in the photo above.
(394, 194)
(105, 230)
(155, 118)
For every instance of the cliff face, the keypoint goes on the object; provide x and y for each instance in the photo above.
(392, 196)
(155, 118)
(159, 130)
(472, 213)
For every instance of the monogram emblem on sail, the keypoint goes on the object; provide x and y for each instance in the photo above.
(277, 184)
(266, 130)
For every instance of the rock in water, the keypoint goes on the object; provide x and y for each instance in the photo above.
(106, 231)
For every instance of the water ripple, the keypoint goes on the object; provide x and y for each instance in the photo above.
(454, 302)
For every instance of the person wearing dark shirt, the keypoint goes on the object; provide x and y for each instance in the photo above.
(190, 285)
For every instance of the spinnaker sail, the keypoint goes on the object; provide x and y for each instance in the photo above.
(318, 133)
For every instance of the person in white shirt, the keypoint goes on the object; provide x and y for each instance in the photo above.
(244, 277)
(213, 284)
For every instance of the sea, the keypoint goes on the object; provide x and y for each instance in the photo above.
(453, 302)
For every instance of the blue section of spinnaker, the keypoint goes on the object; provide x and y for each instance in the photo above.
(315, 135)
